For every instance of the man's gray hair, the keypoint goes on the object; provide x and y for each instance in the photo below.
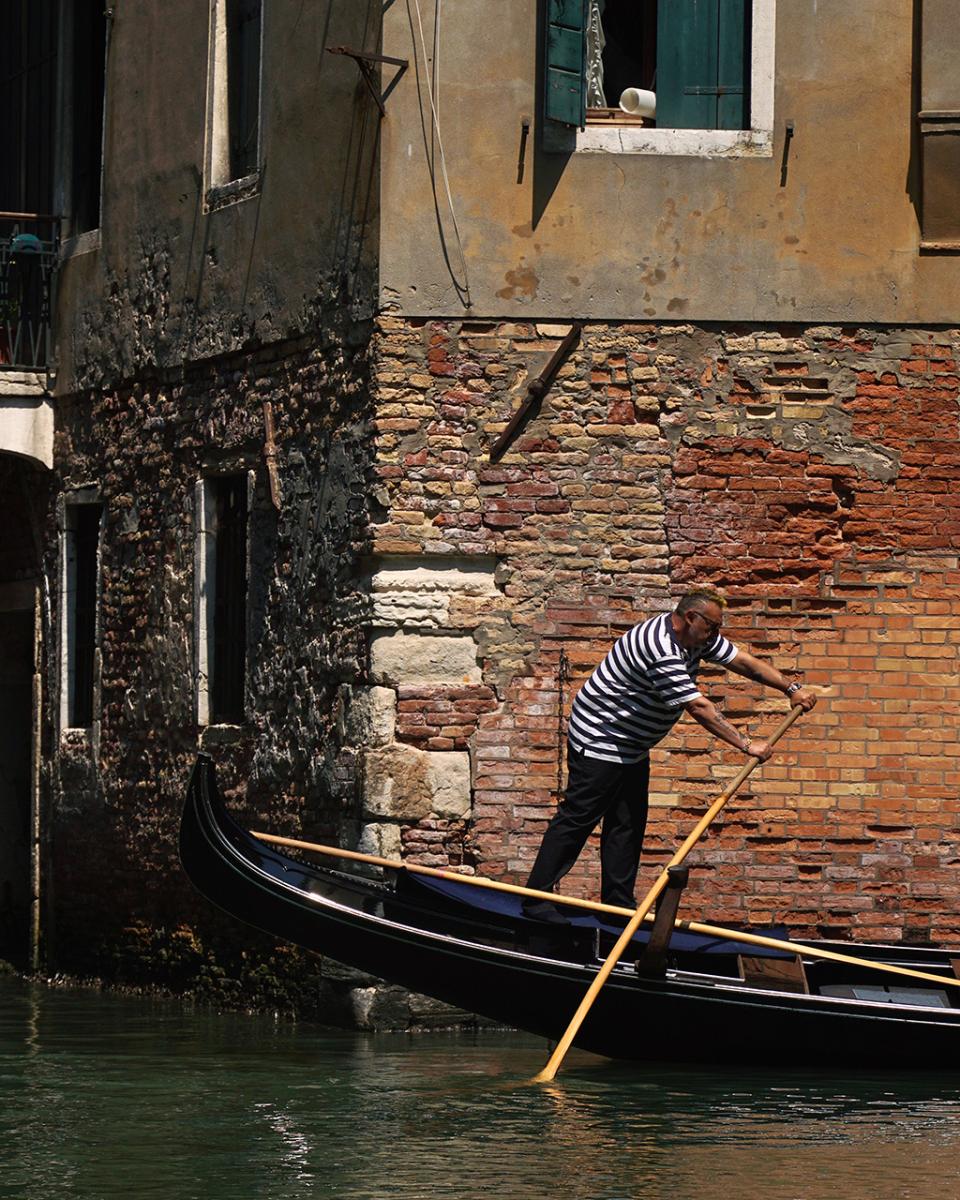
(695, 597)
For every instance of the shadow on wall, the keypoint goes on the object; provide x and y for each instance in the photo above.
(359, 189)
(912, 182)
(547, 168)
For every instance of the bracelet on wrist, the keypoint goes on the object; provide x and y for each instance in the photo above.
(793, 688)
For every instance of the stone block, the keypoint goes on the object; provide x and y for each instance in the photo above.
(380, 839)
(406, 784)
(422, 658)
(371, 717)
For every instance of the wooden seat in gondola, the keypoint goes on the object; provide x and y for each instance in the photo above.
(779, 974)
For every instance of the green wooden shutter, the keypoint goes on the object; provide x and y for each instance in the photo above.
(703, 64)
(733, 65)
(565, 74)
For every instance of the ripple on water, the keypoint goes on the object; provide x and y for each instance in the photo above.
(104, 1097)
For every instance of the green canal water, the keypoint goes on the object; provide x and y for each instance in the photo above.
(104, 1096)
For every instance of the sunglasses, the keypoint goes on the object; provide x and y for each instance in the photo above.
(713, 626)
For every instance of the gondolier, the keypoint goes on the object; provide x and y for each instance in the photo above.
(629, 704)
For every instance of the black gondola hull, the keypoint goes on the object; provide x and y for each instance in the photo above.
(683, 1016)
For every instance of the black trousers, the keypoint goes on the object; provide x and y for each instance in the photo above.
(615, 793)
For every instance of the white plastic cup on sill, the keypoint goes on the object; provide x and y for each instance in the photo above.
(638, 102)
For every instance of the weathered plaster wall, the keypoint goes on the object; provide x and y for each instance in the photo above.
(629, 236)
(167, 280)
(809, 471)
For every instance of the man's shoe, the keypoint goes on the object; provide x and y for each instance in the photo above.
(543, 910)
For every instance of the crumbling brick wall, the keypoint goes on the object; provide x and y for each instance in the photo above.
(121, 907)
(809, 472)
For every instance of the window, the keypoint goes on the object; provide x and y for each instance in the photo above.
(80, 586)
(234, 91)
(28, 72)
(222, 557)
(939, 128)
(89, 43)
(667, 76)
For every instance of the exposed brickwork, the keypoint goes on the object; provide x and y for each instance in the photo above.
(441, 718)
(119, 792)
(811, 473)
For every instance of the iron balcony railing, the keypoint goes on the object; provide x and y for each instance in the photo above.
(29, 249)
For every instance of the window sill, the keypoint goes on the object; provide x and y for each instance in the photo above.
(77, 737)
(80, 243)
(222, 195)
(608, 138)
(221, 735)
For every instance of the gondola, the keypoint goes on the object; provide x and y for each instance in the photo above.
(704, 1000)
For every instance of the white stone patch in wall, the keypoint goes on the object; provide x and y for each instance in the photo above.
(417, 596)
(380, 839)
(398, 658)
(406, 784)
(372, 717)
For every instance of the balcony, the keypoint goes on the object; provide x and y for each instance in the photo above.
(29, 247)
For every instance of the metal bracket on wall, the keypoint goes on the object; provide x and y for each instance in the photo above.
(366, 64)
(536, 390)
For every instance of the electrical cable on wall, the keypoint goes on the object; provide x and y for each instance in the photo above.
(464, 288)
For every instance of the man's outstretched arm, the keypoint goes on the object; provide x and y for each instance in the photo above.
(706, 713)
(753, 668)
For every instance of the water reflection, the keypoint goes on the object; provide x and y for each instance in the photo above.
(102, 1097)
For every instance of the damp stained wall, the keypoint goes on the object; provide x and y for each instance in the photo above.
(830, 234)
(167, 278)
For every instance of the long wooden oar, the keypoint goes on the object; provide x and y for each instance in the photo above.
(717, 931)
(553, 1065)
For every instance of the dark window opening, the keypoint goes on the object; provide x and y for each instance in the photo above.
(630, 53)
(243, 85)
(89, 77)
(28, 236)
(230, 600)
(86, 538)
(28, 73)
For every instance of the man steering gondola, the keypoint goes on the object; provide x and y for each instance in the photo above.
(627, 706)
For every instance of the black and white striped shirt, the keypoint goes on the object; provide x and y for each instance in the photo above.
(636, 695)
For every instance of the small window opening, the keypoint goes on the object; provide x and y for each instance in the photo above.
(222, 554)
(623, 38)
(235, 90)
(89, 79)
(230, 600)
(81, 575)
(243, 85)
(28, 73)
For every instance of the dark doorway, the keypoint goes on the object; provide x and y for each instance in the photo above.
(16, 721)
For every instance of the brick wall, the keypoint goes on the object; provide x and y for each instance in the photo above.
(120, 905)
(810, 473)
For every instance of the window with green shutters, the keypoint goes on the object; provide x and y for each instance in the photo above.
(702, 64)
(694, 54)
(565, 65)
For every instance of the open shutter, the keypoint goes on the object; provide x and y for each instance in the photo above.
(565, 62)
(702, 64)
